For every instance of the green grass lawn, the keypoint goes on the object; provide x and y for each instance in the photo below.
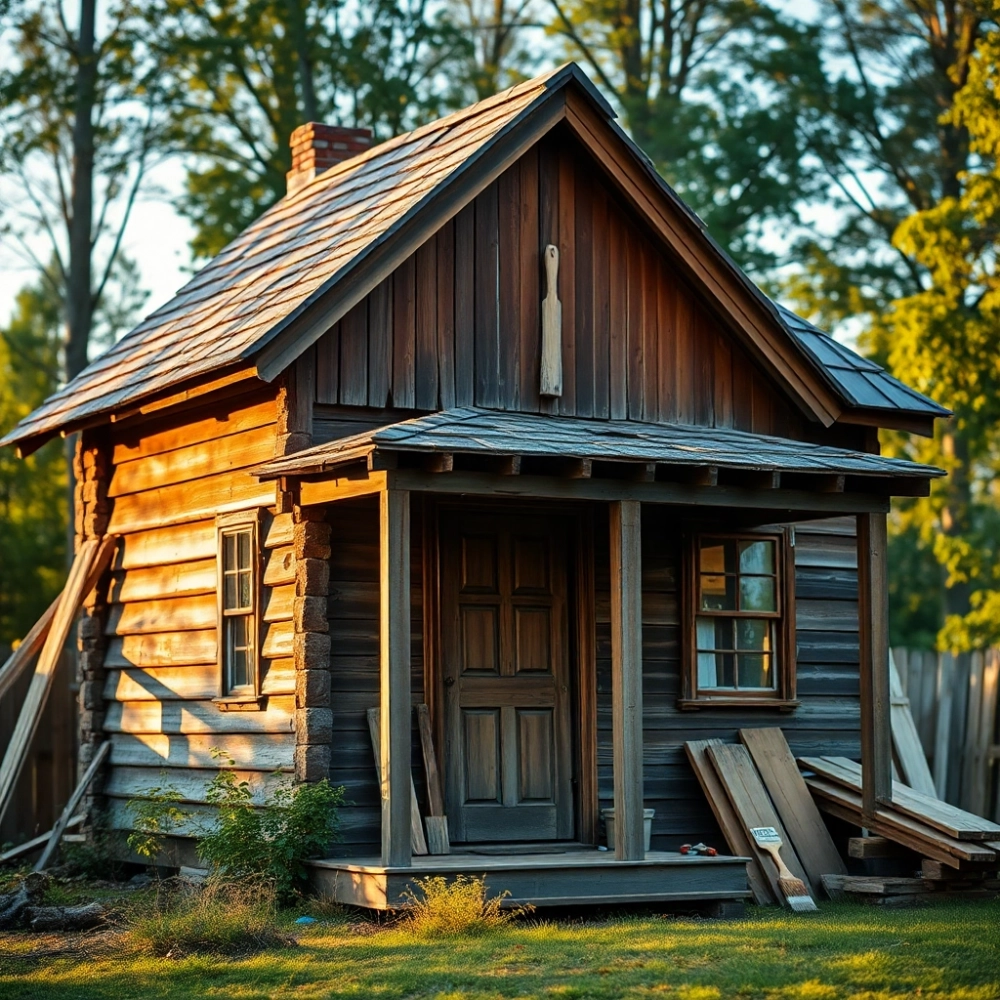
(845, 951)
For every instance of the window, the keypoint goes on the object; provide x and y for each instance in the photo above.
(239, 576)
(740, 620)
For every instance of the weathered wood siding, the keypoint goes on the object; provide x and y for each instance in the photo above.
(171, 476)
(826, 722)
(459, 323)
(354, 664)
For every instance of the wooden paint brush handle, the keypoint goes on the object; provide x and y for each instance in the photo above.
(773, 850)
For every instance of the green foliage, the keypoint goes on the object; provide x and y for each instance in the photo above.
(269, 841)
(219, 918)
(245, 73)
(33, 491)
(154, 817)
(442, 907)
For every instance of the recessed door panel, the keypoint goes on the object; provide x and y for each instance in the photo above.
(505, 671)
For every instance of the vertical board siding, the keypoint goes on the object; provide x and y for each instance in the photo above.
(353, 612)
(458, 323)
(161, 670)
(827, 721)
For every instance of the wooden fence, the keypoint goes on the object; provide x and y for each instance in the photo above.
(953, 700)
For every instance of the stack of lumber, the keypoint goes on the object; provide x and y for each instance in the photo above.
(756, 783)
(957, 853)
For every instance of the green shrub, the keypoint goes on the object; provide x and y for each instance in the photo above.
(440, 908)
(218, 917)
(156, 815)
(272, 841)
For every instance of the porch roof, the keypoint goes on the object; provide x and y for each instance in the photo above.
(490, 433)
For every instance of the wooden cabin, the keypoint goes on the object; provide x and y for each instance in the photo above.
(364, 460)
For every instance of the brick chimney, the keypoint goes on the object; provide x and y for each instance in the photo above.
(317, 147)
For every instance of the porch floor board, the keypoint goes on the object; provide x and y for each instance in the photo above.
(575, 878)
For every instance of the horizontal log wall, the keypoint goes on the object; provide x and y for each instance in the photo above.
(459, 322)
(826, 722)
(354, 665)
(171, 476)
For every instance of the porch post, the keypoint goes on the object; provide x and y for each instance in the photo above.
(873, 613)
(394, 674)
(626, 677)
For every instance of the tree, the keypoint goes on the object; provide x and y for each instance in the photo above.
(245, 73)
(945, 338)
(33, 512)
(80, 120)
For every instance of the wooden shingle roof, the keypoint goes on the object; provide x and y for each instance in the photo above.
(476, 431)
(261, 300)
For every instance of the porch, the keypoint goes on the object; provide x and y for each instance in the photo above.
(578, 877)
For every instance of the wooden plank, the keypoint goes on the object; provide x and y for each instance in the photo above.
(736, 837)
(931, 811)
(873, 613)
(164, 546)
(752, 806)
(583, 327)
(465, 317)
(91, 561)
(530, 245)
(380, 343)
(404, 333)
(187, 716)
(509, 293)
(265, 752)
(652, 405)
(636, 325)
(618, 314)
(186, 579)
(226, 453)
(201, 426)
(194, 501)
(942, 730)
(672, 364)
(426, 360)
(167, 649)
(189, 683)
(278, 603)
(981, 764)
(435, 795)
(70, 808)
(783, 780)
(626, 677)
(446, 315)
(909, 752)
(418, 843)
(394, 674)
(328, 366)
(567, 273)
(170, 615)
(601, 306)
(191, 785)
(487, 298)
(32, 845)
(846, 804)
(21, 658)
(354, 356)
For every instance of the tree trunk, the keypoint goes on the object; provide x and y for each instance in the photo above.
(300, 33)
(955, 515)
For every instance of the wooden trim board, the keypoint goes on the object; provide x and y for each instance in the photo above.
(795, 806)
(736, 838)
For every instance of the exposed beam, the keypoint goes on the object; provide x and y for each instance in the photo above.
(873, 618)
(695, 475)
(343, 487)
(394, 674)
(441, 462)
(561, 488)
(831, 484)
(626, 677)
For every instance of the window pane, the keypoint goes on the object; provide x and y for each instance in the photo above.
(714, 633)
(757, 557)
(229, 592)
(718, 593)
(718, 555)
(244, 547)
(753, 634)
(245, 578)
(237, 652)
(757, 593)
(228, 552)
(756, 671)
(715, 670)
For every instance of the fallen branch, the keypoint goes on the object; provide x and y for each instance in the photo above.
(65, 918)
(30, 845)
(13, 905)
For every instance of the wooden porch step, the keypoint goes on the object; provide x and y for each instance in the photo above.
(575, 878)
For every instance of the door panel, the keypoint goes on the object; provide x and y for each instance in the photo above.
(504, 628)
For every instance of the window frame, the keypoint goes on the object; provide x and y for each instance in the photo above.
(784, 694)
(229, 524)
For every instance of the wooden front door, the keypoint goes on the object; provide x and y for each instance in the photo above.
(506, 677)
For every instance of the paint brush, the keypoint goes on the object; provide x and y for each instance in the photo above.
(793, 889)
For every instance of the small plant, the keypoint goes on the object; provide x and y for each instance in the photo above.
(219, 917)
(271, 841)
(154, 817)
(440, 908)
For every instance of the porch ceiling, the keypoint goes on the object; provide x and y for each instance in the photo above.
(652, 451)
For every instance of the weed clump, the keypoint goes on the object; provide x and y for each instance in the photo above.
(442, 908)
(219, 917)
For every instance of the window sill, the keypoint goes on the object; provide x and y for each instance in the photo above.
(694, 704)
(240, 703)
